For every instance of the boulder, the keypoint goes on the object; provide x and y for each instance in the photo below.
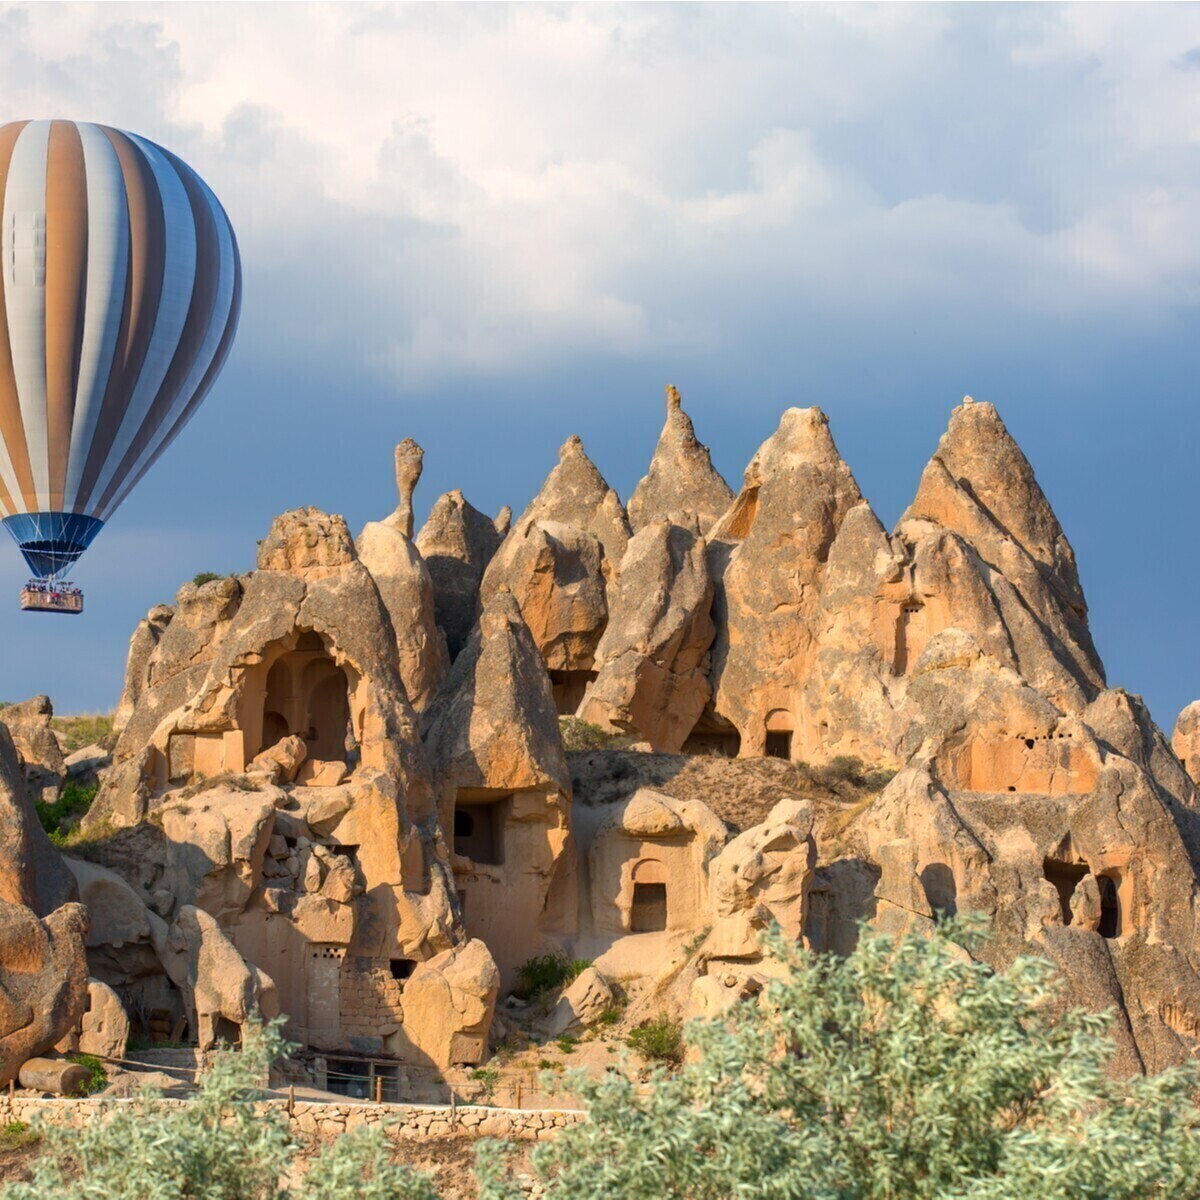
(457, 542)
(54, 1075)
(652, 660)
(448, 1003)
(280, 762)
(86, 765)
(36, 743)
(104, 1029)
(682, 480)
(1186, 739)
(584, 999)
(142, 646)
(43, 981)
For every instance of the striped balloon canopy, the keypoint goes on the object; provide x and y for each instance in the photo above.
(120, 289)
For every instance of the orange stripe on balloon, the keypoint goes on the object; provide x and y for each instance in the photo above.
(12, 426)
(66, 283)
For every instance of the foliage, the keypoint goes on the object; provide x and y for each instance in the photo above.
(205, 577)
(582, 735)
(849, 768)
(358, 1166)
(609, 1017)
(907, 1070)
(659, 1039)
(72, 803)
(86, 729)
(488, 1077)
(215, 1147)
(567, 1042)
(99, 1079)
(16, 1135)
(547, 972)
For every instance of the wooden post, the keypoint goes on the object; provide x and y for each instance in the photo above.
(291, 1099)
(378, 1089)
(518, 1103)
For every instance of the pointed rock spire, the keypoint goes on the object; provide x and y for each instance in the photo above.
(409, 460)
(575, 493)
(682, 478)
(457, 542)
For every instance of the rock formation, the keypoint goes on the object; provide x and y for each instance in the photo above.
(651, 664)
(681, 479)
(457, 542)
(560, 561)
(42, 759)
(1186, 739)
(503, 791)
(386, 549)
(43, 966)
(274, 835)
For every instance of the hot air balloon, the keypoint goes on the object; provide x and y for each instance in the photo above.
(120, 290)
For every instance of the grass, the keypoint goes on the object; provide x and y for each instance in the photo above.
(239, 783)
(204, 577)
(65, 811)
(566, 1043)
(99, 1076)
(86, 729)
(608, 1018)
(16, 1135)
(547, 972)
(489, 1077)
(658, 1040)
(849, 768)
(582, 735)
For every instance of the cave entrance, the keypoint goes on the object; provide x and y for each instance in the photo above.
(779, 734)
(1110, 907)
(648, 908)
(568, 688)
(713, 735)
(479, 820)
(301, 691)
(911, 635)
(1066, 877)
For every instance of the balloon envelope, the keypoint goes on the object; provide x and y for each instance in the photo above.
(120, 290)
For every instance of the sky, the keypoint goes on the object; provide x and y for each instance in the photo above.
(490, 227)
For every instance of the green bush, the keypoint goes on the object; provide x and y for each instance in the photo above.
(73, 802)
(99, 1079)
(658, 1040)
(205, 577)
(547, 972)
(16, 1135)
(87, 729)
(582, 735)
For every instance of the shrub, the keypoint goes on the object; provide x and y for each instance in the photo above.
(567, 1042)
(87, 729)
(99, 1079)
(488, 1077)
(205, 577)
(582, 735)
(16, 1135)
(912, 1071)
(72, 803)
(658, 1040)
(547, 972)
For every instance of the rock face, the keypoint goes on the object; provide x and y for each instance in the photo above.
(279, 837)
(137, 665)
(386, 549)
(43, 965)
(682, 480)
(1186, 740)
(271, 887)
(652, 661)
(797, 493)
(560, 561)
(42, 756)
(503, 791)
(457, 542)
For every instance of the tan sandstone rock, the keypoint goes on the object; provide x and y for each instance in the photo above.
(29, 725)
(54, 1075)
(457, 542)
(1186, 739)
(652, 660)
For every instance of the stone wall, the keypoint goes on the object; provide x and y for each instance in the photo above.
(321, 1117)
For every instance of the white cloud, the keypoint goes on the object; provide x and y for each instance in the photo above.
(439, 190)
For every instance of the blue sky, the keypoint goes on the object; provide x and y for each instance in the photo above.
(490, 227)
